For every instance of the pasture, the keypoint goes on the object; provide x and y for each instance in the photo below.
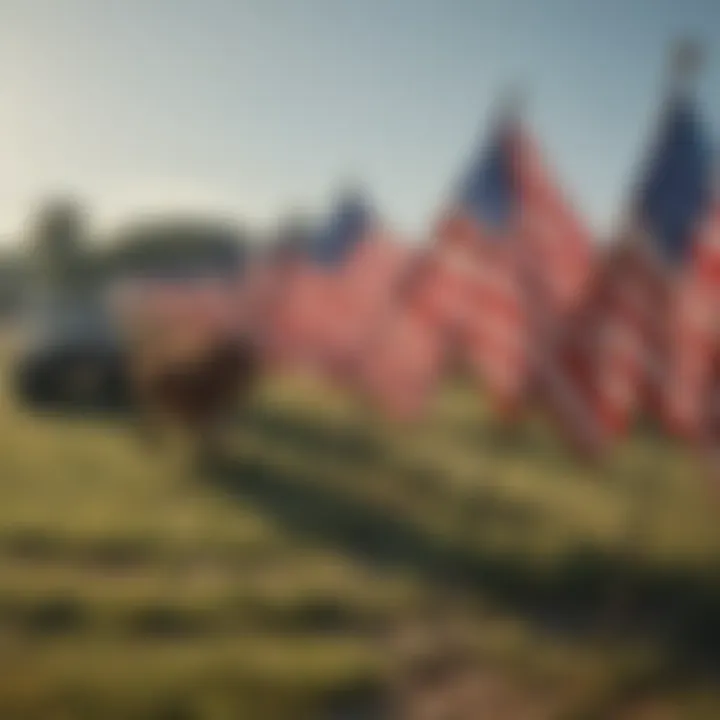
(265, 587)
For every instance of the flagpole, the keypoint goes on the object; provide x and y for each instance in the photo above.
(685, 66)
(512, 104)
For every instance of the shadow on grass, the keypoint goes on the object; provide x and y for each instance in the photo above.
(339, 441)
(363, 450)
(679, 609)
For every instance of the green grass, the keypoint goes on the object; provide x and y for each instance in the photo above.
(131, 587)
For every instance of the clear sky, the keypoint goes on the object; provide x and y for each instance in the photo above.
(253, 107)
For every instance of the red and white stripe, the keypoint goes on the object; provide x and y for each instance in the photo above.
(326, 314)
(462, 295)
(403, 364)
(641, 344)
(556, 252)
(363, 293)
(612, 356)
(695, 347)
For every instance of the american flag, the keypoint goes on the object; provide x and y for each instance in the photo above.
(473, 287)
(260, 294)
(402, 363)
(618, 350)
(319, 311)
(553, 248)
(463, 293)
(364, 293)
(692, 409)
(511, 262)
(556, 253)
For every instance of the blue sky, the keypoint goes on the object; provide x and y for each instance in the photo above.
(254, 107)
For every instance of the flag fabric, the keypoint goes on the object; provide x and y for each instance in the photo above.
(292, 340)
(318, 314)
(402, 358)
(363, 294)
(473, 287)
(462, 293)
(565, 367)
(617, 350)
(510, 261)
(403, 364)
(674, 202)
(260, 298)
(509, 285)
(556, 252)
(691, 401)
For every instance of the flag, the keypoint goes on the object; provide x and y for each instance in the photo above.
(403, 355)
(556, 251)
(691, 402)
(473, 287)
(260, 293)
(618, 349)
(363, 294)
(463, 292)
(309, 312)
(513, 261)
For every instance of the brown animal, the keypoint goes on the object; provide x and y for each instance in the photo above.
(189, 380)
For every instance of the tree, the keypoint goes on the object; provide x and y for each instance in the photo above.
(177, 246)
(58, 241)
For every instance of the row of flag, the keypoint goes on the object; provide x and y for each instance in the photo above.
(512, 291)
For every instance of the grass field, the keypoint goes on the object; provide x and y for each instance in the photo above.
(132, 587)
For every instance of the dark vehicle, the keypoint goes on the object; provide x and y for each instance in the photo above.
(72, 358)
